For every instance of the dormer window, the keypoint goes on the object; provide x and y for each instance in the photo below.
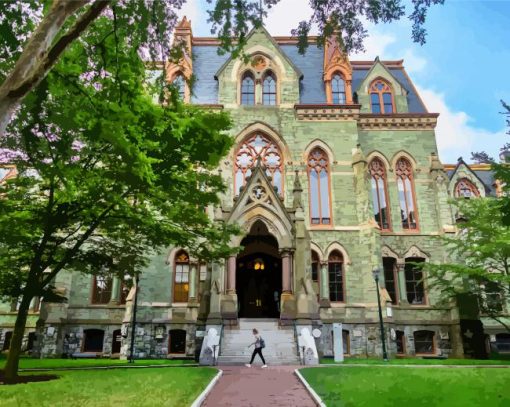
(338, 89)
(381, 97)
(466, 189)
(248, 89)
(269, 90)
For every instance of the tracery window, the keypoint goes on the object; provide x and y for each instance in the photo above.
(254, 148)
(381, 97)
(404, 173)
(248, 89)
(315, 266)
(335, 274)
(466, 189)
(338, 89)
(320, 199)
(379, 194)
(180, 85)
(101, 289)
(269, 90)
(181, 277)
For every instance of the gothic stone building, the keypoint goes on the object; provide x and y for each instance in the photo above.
(334, 173)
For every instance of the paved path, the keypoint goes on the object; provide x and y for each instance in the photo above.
(242, 386)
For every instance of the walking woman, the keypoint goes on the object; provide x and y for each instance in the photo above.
(259, 345)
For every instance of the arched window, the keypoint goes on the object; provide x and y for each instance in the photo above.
(336, 278)
(424, 342)
(379, 194)
(320, 202)
(269, 90)
(338, 89)
(404, 172)
(248, 89)
(93, 340)
(315, 266)
(180, 85)
(466, 189)
(181, 277)
(254, 148)
(381, 97)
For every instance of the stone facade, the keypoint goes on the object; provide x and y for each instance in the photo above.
(303, 119)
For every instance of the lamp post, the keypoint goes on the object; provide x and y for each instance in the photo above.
(376, 272)
(133, 323)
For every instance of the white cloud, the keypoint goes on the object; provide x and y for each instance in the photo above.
(286, 16)
(455, 134)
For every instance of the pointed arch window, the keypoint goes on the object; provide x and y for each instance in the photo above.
(381, 97)
(180, 85)
(320, 199)
(181, 277)
(248, 89)
(404, 173)
(269, 89)
(379, 193)
(254, 148)
(466, 189)
(336, 276)
(315, 266)
(338, 89)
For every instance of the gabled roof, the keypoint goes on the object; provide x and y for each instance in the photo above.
(275, 44)
(486, 179)
(377, 62)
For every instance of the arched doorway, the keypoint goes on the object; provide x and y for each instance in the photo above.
(259, 275)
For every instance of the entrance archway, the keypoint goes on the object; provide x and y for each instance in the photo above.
(259, 275)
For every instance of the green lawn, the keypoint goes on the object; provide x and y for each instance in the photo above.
(410, 361)
(120, 387)
(388, 387)
(27, 363)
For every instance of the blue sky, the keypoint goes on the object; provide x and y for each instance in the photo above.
(461, 72)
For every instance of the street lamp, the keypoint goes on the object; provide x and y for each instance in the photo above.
(376, 273)
(133, 323)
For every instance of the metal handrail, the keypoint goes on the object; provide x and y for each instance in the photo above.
(297, 342)
(219, 344)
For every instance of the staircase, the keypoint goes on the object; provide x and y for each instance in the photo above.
(280, 342)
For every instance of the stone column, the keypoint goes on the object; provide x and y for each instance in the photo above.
(115, 296)
(231, 277)
(324, 287)
(286, 271)
(192, 283)
(401, 281)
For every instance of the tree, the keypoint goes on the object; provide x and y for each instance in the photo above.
(481, 258)
(61, 22)
(106, 177)
(501, 169)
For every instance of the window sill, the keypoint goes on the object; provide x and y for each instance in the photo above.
(179, 304)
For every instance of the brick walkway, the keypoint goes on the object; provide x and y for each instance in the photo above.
(275, 386)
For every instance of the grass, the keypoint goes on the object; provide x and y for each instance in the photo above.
(28, 363)
(373, 386)
(410, 361)
(121, 387)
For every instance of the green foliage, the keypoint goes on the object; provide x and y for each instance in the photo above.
(232, 20)
(106, 177)
(481, 253)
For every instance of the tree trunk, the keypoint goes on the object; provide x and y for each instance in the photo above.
(11, 367)
(41, 53)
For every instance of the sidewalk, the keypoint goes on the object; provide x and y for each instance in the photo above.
(256, 387)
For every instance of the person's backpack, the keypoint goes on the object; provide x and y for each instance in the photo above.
(262, 343)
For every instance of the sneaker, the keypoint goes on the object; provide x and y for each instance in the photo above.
(247, 365)
(263, 366)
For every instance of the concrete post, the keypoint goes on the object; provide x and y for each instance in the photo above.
(231, 277)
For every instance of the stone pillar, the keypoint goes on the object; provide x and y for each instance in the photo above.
(115, 296)
(324, 288)
(286, 271)
(401, 281)
(231, 277)
(192, 283)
